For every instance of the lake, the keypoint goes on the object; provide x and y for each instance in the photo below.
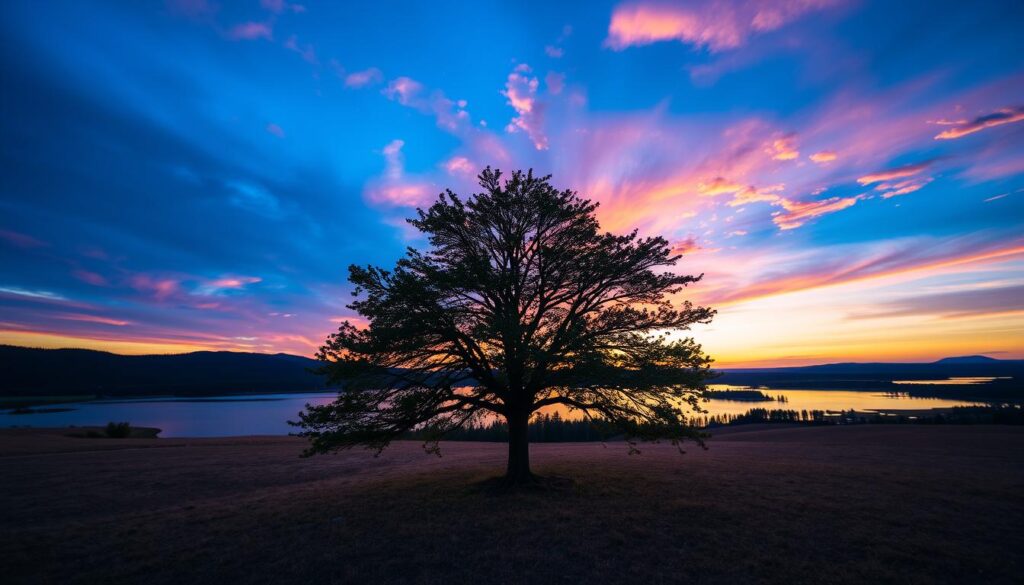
(267, 414)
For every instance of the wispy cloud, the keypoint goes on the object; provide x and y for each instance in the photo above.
(902, 187)
(279, 6)
(304, 50)
(89, 277)
(254, 198)
(363, 78)
(32, 294)
(395, 189)
(847, 264)
(21, 240)
(896, 173)
(249, 31)
(797, 213)
(450, 114)
(963, 128)
(980, 301)
(275, 130)
(716, 25)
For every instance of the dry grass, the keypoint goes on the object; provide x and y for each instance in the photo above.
(838, 504)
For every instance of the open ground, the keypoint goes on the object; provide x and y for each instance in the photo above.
(765, 504)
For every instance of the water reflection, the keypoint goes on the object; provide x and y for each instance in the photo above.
(954, 381)
(267, 414)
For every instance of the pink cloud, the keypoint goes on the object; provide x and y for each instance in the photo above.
(713, 24)
(450, 115)
(279, 6)
(847, 264)
(742, 194)
(521, 91)
(554, 52)
(555, 82)
(690, 246)
(234, 282)
(458, 165)
(902, 187)
(997, 118)
(404, 90)
(160, 288)
(784, 148)
(307, 52)
(21, 240)
(249, 31)
(275, 130)
(395, 189)
(897, 173)
(92, 319)
(823, 157)
(363, 78)
(797, 213)
(90, 277)
(194, 9)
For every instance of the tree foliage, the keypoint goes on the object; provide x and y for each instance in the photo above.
(521, 302)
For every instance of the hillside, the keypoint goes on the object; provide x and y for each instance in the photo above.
(1008, 374)
(43, 372)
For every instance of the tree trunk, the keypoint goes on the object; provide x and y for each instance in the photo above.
(518, 449)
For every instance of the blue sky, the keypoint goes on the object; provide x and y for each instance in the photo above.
(191, 174)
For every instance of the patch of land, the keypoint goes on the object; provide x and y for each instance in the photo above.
(765, 504)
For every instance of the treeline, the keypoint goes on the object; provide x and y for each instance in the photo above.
(744, 395)
(552, 428)
(1004, 414)
(545, 428)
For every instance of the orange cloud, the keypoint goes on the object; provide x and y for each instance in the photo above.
(902, 187)
(997, 118)
(784, 148)
(825, 156)
(897, 173)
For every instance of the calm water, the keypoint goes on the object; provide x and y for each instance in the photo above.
(267, 414)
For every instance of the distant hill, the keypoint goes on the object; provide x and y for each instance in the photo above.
(44, 372)
(968, 359)
(48, 372)
(1009, 384)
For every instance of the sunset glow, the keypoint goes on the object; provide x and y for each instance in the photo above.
(848, 175)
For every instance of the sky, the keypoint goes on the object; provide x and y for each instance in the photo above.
(848, 175)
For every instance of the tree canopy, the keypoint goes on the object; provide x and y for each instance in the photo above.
(520, 303)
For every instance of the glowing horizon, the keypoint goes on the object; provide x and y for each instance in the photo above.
(188, 175)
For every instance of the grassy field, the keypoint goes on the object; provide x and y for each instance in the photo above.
(906, 504)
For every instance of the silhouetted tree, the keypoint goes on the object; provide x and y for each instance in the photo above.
(520, 303)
